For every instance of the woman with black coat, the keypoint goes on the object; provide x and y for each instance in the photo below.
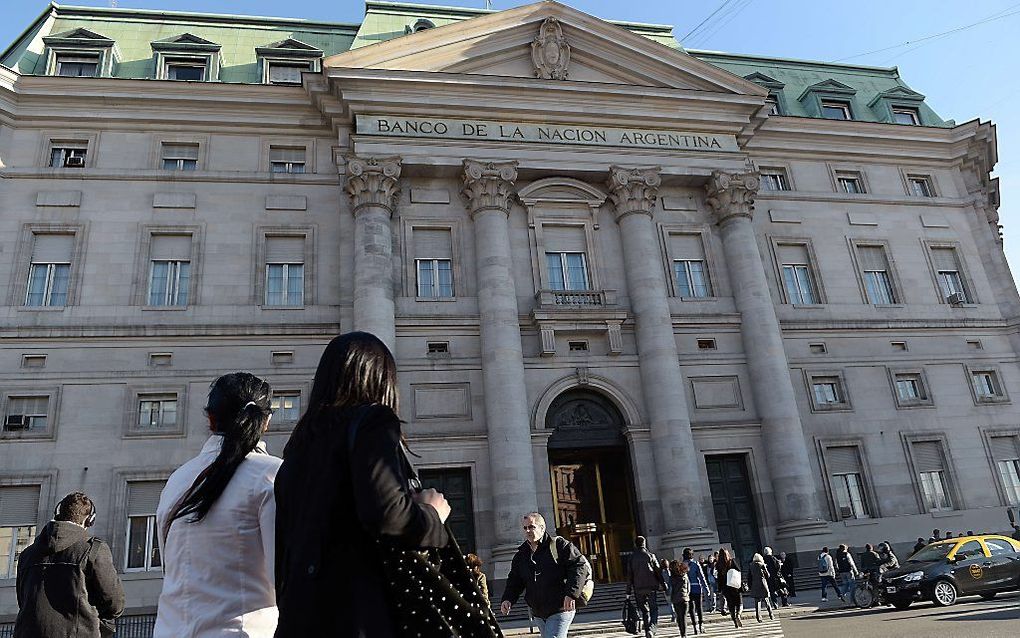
(733, 595)
(337, 494)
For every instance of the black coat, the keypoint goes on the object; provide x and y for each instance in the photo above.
(760, 578)
(545, 583)
(775, 567)
(67, 585)
(332, 503)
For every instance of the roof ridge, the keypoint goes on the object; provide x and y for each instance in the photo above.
(68, 9)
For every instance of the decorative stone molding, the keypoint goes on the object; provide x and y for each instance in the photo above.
(373, 181)
(633, 190)
(550, 51)
(731, 195)
(488, 185)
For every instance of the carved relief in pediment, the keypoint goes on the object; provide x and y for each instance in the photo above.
(550, 51)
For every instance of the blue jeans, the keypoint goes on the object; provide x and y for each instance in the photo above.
(849, 583)
(555, 626)
(829, 580)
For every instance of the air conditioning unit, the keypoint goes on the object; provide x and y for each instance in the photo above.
(956, 299)
(15, 422)
(74, 161)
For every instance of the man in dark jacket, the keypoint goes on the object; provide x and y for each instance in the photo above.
(67, 584)
(550, 572)
(645, 582)
(787, 572)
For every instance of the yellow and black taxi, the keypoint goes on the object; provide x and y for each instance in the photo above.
(941, 572)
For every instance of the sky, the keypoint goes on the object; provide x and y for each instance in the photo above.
(967, 73)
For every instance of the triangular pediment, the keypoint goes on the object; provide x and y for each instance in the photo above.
(185, 38)
(898, 93)
(764, 80)
(829, 86)
(546, 41)
(80, 34)
(292, 44)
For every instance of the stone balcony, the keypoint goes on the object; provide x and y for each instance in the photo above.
(580, 299)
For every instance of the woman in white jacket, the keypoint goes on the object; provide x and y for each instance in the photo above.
(216, 523)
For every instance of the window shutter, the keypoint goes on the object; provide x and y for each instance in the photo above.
(945, 259)
(872, 258)
(171, 247)
(52, 249)
(564, 239)
(1005, 448)
(287, 154)
(285, 250)
(843, 460)
(687, 246)
(793, 254)
(180, 151)
(432, 243)
(19, 505)
(143, 497)
(928, 456)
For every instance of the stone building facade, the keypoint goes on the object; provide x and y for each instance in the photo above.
(710, 298)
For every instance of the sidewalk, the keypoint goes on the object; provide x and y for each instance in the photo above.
(610, 621)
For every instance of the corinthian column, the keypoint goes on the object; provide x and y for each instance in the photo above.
(677, 462)
(731, 197)
(373, 188)
(488, 187)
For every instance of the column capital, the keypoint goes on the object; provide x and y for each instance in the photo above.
(373, 181)
(633, 190)
(731, 195)
(488, 185)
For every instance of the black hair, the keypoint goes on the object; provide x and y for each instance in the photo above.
(238, 406)
(355, 369)
(688, 553)
(76, 507)
(639, 542)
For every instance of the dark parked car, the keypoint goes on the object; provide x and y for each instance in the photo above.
(941, 572)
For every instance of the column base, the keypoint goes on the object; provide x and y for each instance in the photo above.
(699, 539)
(502, 557)
(796, 529)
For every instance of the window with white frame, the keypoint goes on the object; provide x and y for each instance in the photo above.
(850, 182)
(772, 105)
(19, 513)
(1006, 455)
(827, 391)
(920, 186)
(774, 179)
(77, 65)
(932, 476)
(433, 262)
(846, 480)
(49, 272)
(905, 115)
(836, 110)
(910, 388)
(690, 272)
(68, 154)
(27, 413)
(947, 271)
(179, 156)
(798, 278)
(287, 159)
(190, 69)
(567, 271)
(876, 274)
(169, 270)
(285, 271)
(286, 405)
(157, 412)
(286, 71)
(141, 552)
(986, 385)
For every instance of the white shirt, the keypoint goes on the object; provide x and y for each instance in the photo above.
(218, 573)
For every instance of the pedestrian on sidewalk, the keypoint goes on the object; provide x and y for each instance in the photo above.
(699, 587)
(787, 572)
(66, 583)
(551, 584)
(713, 584)
(664, 566)
(827, 574)
(222, 498)
(846, 570)
(777, 584)
(731, 584)
(645, 583)
(760, 578)
(681, 594)
(475, 565)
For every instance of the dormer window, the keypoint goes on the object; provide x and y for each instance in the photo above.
(905, 115)
(772, 105)
(899, 105)
(185, 69)
(283, 62)
(833, 110)
(77, 65)
(187, 58)
(80, 53)
(286, 72)
(829, 99)
(422, 24)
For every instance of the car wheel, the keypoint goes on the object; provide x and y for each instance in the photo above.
(944, 593)
(901, 604)
(988, 595)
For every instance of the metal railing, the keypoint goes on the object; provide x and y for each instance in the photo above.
(576, 298)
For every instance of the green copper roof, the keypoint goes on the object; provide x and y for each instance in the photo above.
(798, 84)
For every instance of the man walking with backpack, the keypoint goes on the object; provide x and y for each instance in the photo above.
(645, 583)
(552, 574)
(827, 573)
(847, 571)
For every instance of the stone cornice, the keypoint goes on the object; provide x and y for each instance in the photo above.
(372, 181)
(488, 185)
(633, 190)
(731, 195)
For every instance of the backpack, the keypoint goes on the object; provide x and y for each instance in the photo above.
(823, 565)
(630, 616)
(589, 585)
(843, 563)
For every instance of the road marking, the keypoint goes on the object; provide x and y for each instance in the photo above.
(751, 629)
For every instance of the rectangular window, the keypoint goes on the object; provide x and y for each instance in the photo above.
(795, 262)
(908, 387)
(287, 159)
(156, 411)
(27, 414)
(285, 271)
(286, 72)
(179, 156)
(876, 275)
(286, 406)
(77, 65)
(690, 271)
(170, 270)
(947, 272)
(826, 391)
(772, 105)
(567, 271)
(50, 270)
(986, 384)
(905, 115)
(19, 511)
(142, 548)
(834, 110)
(920, 186)
(1006, 453)
(68, 154)
(850, 183)
(433, 253)
(774, 179)
(185, 70)
(930, 463)
(845, 477)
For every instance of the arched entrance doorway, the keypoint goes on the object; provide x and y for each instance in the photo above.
(589, 467)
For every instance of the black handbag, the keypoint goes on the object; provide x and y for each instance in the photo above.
(431, 593)
(630, 616)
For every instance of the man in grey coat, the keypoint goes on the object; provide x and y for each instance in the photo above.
(645, 582)
(67, 584)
